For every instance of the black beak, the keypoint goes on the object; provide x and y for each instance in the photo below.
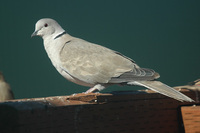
(34, 33)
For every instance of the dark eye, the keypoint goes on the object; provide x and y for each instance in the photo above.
(45, 25)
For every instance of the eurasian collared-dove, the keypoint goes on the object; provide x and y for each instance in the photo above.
(5, 91)
(92, 65)
(194, 86)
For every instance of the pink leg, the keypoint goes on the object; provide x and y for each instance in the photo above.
(96, 88)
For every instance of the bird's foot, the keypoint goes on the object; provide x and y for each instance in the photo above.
(95, 89)
(91, 90)
(74, 94)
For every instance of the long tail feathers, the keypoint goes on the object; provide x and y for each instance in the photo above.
(163, 89)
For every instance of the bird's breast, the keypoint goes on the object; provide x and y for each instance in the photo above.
(53, 50)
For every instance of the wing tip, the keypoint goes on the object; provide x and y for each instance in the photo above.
(150, 85)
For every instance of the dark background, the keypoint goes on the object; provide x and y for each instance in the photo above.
(162, 35)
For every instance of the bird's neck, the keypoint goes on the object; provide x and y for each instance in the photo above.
(59, 35)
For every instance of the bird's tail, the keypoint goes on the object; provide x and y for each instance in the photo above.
(163, 89)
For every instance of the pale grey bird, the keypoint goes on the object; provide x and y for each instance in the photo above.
(195, 83)
(194, 86)
(92, 65)
(5, 90)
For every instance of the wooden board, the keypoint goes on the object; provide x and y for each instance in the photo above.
(191, 118)
(117, 112)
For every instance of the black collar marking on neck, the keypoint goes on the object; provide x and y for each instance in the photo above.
(60, 35)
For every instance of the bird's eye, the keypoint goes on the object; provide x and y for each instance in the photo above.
(45, 25)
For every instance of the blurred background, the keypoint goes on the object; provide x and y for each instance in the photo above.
(162, 35)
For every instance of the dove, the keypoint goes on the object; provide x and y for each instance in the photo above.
(195, 83)
(96, 66)
(5, 90)
(193, 86)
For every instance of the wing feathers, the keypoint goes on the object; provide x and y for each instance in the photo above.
(135, 75)
(163, 89)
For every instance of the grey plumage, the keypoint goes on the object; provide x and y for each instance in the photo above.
(93, 65)
(136, 74)
(162, 88)
(5, 90)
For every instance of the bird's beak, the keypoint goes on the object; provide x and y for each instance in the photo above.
(34, 33)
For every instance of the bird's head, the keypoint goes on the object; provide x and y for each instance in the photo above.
(47, 27)
(1, 76)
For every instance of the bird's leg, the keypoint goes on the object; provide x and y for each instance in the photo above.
(96, 88)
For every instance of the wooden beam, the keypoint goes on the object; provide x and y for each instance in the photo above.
(118, 112)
